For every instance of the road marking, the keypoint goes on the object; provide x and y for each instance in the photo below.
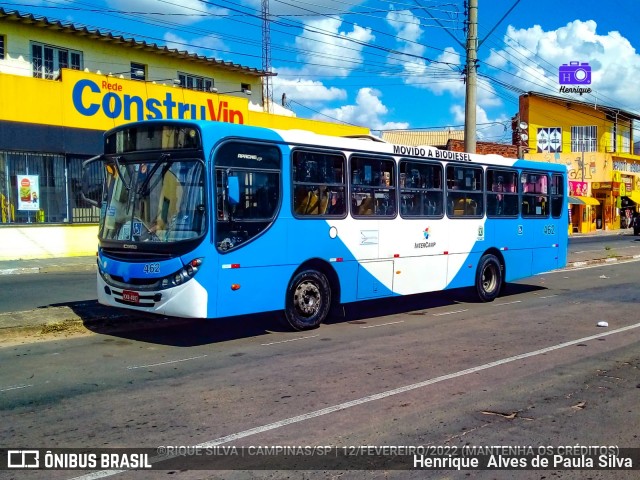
(290, 340)
(449, 313)
(548, 296)
(371, 398)
(383, 324)
(15, 387)
(133, 367)
(507, 303)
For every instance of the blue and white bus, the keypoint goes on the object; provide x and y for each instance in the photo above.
(209, 220)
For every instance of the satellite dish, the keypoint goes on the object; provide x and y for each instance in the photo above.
(523, 125)
(524, 137)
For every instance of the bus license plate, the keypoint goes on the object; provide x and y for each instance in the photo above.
(131, 297)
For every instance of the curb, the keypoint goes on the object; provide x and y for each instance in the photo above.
(598, 261)
(49, 269)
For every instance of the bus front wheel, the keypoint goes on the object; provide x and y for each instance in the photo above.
(308, 300)
(488, 278)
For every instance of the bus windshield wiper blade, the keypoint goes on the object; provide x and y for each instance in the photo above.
(124, 182)
(163, 159)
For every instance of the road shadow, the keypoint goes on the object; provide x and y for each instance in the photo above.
(182, 332)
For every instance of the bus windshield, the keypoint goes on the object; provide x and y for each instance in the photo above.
(159, 201)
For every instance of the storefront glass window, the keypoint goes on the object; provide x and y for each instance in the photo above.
(56, 185)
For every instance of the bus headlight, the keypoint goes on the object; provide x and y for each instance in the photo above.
(182, 275)
(172, 280)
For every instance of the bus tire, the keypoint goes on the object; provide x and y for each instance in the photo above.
(308, 300)
(489, 278)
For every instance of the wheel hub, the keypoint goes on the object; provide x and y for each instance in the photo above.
(307, 298)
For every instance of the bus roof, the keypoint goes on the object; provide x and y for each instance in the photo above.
(305, 138)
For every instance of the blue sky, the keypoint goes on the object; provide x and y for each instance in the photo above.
(392, 64)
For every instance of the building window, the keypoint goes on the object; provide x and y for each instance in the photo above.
(625, 136)
(47, 60)
(246, 88)
(1, 47)
(57, 188)
(138, 71)
(584, 139)
(193, 82)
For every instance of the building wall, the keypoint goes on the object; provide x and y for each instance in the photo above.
(601, 170)
(104, 57)
(486, 148)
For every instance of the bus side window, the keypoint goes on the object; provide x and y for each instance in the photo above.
(318, 183)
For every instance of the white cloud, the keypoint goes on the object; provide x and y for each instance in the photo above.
(183, 12)
(321, 7)
(366, 112)
(328, 51)
(207, 46)
(534, 55)
(302, 90)
(488, 129)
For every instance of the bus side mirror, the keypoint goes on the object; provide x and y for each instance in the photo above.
(233, 188)
(89, 187)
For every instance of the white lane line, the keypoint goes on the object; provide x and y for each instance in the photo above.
(383, 324)
(14, 387)
(290, 340)
(507, 303)
(449, 313)
(133, 367)
(549, 296)
(371, 398)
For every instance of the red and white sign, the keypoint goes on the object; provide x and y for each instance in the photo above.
(28, 192)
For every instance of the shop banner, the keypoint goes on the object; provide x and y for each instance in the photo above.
(28, 192)
(577, 189)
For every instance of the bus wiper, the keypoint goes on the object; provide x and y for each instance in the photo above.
(163, 159)
(124, 182)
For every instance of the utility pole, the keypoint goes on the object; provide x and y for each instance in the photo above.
(471, 78)
(266, 58)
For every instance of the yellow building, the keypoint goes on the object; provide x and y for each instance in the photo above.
(62, 86)
(595, 142)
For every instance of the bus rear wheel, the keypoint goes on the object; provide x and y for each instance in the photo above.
(489, 278)
(308, 300)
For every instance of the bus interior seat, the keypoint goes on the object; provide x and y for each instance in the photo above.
(324, 203)
(302, 202)
(366, 207)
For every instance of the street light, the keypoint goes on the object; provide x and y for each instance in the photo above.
(246, 91)
(137, 73)
(175, 81)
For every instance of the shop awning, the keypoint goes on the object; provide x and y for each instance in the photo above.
(634, 196)
(579, 200)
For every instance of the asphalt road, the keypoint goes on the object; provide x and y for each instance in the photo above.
(29, 291)
(531, 368)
